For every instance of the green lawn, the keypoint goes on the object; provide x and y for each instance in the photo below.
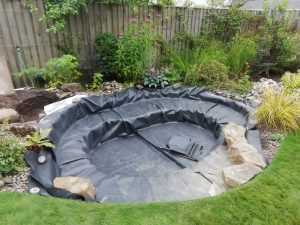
(271, 198)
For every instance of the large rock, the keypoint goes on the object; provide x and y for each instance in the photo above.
(28, 103)
(71, 87)
(241, 152)
(234, 133)
(76, 185)
(235, 150)
(23, 129)
(254, 158)
(10, 114)
(237, 175)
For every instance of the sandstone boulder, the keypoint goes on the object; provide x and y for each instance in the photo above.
(71, 87)
(10, 114)
(235, 150)
(241, 152)
(253, 158)
(237, 175)
(234, 133)
(76, 185)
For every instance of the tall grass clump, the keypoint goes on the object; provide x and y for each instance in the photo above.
(279, 111)
(188, 62)
(241, 52)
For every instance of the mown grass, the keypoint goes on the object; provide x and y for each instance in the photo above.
(273, 197)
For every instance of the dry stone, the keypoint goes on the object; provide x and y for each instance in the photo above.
(254, 158)
(10, 114)
(237, 175)
(23, 129)
(235, 150)
(71, 87)
(76, 185)
(234, 133)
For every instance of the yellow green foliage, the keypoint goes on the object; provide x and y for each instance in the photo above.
(279, 111)
(291, 81)
(38, 140)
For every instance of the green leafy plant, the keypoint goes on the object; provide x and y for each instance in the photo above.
(230, 23)
(240, 86)
(11, 158)
(30, 72)
(38, 140)
(156, 79)
(61, 70)
(277, 137)
(57, 71)
(291, 81)
(278, 45)
(97, 81)
(135, 52)
(106, 46)
(279, 111)
(171, 74)
(56, 11)
(211, 74)
(241, 52)
(128, 85)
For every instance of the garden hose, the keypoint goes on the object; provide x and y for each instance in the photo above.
(23, 67)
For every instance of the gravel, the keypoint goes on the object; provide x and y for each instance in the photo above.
(255, 95)
(17, 182)
(270, 147)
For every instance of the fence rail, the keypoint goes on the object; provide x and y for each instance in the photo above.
(19, 27)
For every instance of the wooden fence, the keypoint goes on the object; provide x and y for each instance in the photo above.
(19, 27)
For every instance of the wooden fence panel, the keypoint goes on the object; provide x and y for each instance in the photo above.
(19, 27)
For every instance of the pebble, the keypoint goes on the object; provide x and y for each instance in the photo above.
(255, 96)
(7, 180)
(107, 88)
(41, 159)
(34, 190)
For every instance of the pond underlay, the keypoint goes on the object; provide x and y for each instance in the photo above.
(142, 145)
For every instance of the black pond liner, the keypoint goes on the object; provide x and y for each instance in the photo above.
(120, 142)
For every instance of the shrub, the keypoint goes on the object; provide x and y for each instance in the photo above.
(56, 72)
(106, 46)
(280, 111)
(230, 23)
(171, 74)
(155, 79)
(97, 81)
(278, 46)
(211, 74)
(61, 70)
(240, 86)
(291, 81)
(11, 158)
(241, 52)
(135, 53)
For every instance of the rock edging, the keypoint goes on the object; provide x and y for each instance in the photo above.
(247, 161)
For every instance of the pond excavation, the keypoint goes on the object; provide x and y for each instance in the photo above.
(139, 146)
